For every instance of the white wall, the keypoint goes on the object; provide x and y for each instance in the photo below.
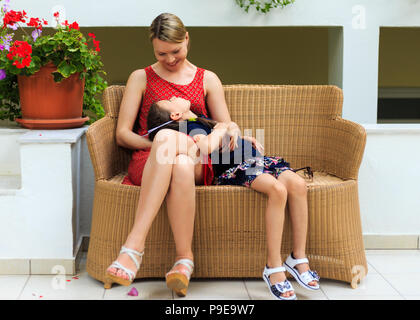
(9, 150)
(360, 19)
(388, 180)
(87, 185)
(40, 218)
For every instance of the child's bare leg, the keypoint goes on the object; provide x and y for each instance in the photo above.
(274, 220)
(298, 209)
(168, 144)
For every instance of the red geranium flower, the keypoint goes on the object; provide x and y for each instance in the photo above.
(11, 17)
(74, 25)
(96, 43)
(36, 23)
(20, 49)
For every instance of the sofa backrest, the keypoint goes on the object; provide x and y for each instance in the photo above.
(291, 118)
(292, 121)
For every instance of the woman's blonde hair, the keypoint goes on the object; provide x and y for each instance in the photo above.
(168, 27)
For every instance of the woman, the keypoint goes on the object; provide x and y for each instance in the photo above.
(172, 75)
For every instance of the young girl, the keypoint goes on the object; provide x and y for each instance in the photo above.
(244, 165)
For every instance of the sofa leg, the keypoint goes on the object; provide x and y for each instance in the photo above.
(107, 284)
(359, 272)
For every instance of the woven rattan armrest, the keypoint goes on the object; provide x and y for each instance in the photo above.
(343, 150)
(108, 159)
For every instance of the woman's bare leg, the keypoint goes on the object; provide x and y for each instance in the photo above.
(180, 202)
(168, 144)
(274, 221)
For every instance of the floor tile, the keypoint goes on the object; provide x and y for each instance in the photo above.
(367, 297)
(401, 261)
(405, 284)
(393, 274)
(147, 290)
(371, 285)
(216, 290)
(392, 252)
(371, 269)
(61, 287)
(11, 286)
(258, 290)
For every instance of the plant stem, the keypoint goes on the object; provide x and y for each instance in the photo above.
(23, 29)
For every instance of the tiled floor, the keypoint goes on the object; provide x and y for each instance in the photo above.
(393, 275)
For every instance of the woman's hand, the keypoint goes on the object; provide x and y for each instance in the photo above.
(255, 144)
(234, 133)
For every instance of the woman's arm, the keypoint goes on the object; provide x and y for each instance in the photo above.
(215, 97)
(130, 104)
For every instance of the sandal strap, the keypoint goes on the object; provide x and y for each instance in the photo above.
(189, 264)
(118, 265)
(309, 276)
(293, 262)
(270, 271)
(186, 262)
(284, 286)
(131, 253)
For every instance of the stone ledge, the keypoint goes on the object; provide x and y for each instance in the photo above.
(391, 128)
(53, 136)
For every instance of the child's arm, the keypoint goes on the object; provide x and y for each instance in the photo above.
(207, 144)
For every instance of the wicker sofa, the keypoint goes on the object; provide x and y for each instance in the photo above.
(303, 124)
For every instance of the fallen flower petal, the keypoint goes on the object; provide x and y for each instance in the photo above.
(133, 292)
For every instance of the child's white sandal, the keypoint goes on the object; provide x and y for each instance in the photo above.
(306, 277)
(279, 288)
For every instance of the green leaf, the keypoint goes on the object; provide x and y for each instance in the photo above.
(57, 76)
(66, 69)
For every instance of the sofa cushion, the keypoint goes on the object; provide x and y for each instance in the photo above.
(320, 179)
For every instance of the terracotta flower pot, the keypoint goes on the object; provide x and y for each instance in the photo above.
(47, 104)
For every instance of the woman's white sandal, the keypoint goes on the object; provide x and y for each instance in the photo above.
(131, 274)
(279, 288)
(178, 280)
(304, 278)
